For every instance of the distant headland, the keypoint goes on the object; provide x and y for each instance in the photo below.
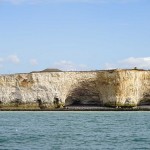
(53, 89)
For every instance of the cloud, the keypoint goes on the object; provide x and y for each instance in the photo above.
(13, 59)
(33, 62)
(136, 62)
(131, 62)
(69, 66)
(66, 1)
(110, 66)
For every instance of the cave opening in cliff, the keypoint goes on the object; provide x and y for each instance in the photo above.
(145, 100)
(85, 94)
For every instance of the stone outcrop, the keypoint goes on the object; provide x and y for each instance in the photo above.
(110, 88)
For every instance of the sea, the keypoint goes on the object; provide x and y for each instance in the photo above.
(79, 130)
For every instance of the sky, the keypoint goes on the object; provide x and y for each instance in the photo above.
(74, 35)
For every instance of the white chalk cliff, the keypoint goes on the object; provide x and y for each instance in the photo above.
(114, 87)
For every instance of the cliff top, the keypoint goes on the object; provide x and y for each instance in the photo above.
(53, 70)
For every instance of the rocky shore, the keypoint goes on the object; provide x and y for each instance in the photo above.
(80, 108)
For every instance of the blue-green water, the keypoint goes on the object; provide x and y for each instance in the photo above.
(74, 130)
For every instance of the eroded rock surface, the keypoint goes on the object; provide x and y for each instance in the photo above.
(112, 88)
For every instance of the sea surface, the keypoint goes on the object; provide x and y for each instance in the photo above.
(75, 130)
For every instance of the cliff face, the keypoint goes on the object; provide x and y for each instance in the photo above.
(118, 87)
(121, 87)
(67, 86)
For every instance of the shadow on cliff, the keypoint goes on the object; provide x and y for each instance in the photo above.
(84, 94)
(146, 100)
